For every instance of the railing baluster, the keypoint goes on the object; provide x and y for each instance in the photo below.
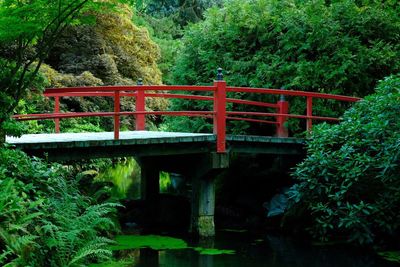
(141, 107)
(116, 115)
(309, 113)
(57, 110)
(283, 108)
(220, 112)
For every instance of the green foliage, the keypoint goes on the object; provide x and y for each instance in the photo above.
(44, 218)
(166, 33)
(113, 51)
(390, 255)
(165, 182)
(339, 47)
(28, 31)
(182, 11)
(125, 176)
(350, 180)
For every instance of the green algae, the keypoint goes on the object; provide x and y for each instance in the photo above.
(155, 242)
(214, 251)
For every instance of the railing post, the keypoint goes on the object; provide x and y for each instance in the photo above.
(57, 110)
(220, 112)
(309, 113)
(283, 108)
(116, 115)
(141, 107)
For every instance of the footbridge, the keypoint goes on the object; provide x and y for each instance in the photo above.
(199, 156)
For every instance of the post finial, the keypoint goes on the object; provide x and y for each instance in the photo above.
(140, 81)
(220, 75)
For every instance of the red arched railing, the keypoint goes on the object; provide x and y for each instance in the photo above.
(219, 113)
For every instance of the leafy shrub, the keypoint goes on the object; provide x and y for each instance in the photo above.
(350, 180)
(341, 47)
(113, 51)
(166, 33)
(182, 11)
(44, 219)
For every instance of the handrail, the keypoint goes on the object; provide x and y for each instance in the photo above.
(219, 98)
(292, 93)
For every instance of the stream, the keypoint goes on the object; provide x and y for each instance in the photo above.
(230, 248)
(236, 249)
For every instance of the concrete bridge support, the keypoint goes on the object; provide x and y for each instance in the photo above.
(203, 193)
(202, 168)
(203, 205)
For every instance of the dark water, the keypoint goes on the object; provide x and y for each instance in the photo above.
(255, 251)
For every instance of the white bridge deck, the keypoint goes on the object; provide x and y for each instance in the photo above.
(136, 137)
(65, 146)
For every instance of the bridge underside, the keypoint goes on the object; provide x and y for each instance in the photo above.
(192, 155)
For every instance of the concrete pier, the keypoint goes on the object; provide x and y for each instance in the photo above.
(203, 206)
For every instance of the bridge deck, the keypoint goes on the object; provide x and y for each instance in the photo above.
(104, 139)
(151, 143)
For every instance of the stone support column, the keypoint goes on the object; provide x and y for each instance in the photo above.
(203, 206)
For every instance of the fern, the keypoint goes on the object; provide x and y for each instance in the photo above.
(44, 218)
(96, 248)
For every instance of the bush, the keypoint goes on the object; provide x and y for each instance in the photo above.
(340, 47)
(44, 219)
(350, 180)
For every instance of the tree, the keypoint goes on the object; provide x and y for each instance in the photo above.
(183, 11)
(28, 31)
(114, 51)
(321, 46)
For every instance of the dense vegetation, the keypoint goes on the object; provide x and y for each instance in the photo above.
(350, 180)
(340, 47)
(45, 219)
(348, 184)
(28, 32)
(114, 51)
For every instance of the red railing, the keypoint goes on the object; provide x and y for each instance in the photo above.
(219, 113)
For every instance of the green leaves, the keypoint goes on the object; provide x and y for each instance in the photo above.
(45, 220)
(350, 179)
(28, 31)
(338, 48)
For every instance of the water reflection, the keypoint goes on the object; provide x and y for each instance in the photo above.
(125, 175)
(271, 251)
